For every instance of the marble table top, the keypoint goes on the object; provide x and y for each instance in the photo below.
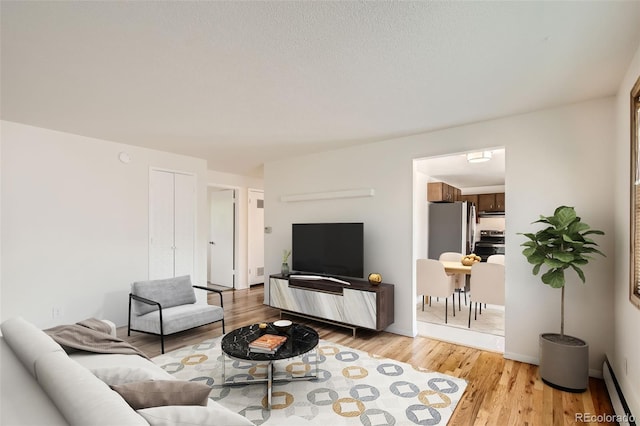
(300, 340)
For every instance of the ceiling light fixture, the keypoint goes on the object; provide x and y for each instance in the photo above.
(479, 157)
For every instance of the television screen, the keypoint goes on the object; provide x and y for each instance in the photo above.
(328, 248)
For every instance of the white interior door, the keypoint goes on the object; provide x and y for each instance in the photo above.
(184, 224)
(171, 224)
(256, 237)
(160, 225)
(221, 242)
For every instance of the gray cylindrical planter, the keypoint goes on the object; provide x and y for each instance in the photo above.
(564, 362)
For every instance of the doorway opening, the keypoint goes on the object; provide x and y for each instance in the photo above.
(222, 246)
(459, 182)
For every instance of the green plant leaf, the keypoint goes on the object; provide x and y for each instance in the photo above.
(536, 257)
(554, 278)
(576, 226)
(564, 216)
(579, 272)
(554, 263)
(593, 250)
(543, 219)
(536, 269)
(565, 257)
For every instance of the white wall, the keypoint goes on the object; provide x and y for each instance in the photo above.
(556, 156)
(627, 317)
(242, 184)
(75, 223)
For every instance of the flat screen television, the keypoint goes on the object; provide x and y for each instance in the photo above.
(330, 249)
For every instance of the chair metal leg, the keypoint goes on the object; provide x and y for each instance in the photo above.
(446, 299)
(161, 332)
(129, 322)
(423, 303)
(469, 325)
(453, 299)
(475, 316)
(465, 297)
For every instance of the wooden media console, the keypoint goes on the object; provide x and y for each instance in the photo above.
(355, 305)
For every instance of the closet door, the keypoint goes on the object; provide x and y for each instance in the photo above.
(184, 224)
(171, 224)
(161, 247)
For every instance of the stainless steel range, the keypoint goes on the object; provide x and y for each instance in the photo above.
(491, 242)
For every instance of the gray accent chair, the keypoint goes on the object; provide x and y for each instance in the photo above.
(168, 306)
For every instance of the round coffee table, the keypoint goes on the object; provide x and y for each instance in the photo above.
(300, 340)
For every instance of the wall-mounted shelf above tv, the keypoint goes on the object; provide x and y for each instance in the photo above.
(329, 195)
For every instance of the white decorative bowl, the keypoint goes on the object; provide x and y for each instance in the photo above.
(283, 325)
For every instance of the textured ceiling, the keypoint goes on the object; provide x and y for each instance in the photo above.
(240, 83)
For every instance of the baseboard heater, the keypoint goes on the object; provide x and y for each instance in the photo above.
(623, 413)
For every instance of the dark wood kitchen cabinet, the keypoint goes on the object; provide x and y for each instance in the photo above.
(440, 192)
(500, 201)
(472, 198)
(491, 202)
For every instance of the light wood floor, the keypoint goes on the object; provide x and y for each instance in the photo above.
(499, 391)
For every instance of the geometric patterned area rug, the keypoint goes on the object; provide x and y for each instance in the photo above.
(352, 387)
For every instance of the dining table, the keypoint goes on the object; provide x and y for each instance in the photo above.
(452, 267)
(457, 268)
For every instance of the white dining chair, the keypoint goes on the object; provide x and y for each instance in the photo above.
(487, 285)
(432, 280)
(459, 280)
(494, 258)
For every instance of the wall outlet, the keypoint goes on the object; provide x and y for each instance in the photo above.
(56, 312)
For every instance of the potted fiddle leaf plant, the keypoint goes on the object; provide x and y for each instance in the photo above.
(563, 245)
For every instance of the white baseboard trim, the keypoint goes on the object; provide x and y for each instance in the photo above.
(620, 407)
(536, 361)
(400, 331)
(522, 358)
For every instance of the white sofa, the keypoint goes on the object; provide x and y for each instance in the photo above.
(42, 385)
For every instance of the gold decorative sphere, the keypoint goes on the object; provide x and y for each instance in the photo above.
(375, 278)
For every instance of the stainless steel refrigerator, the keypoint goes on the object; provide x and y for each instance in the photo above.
(452, 227)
